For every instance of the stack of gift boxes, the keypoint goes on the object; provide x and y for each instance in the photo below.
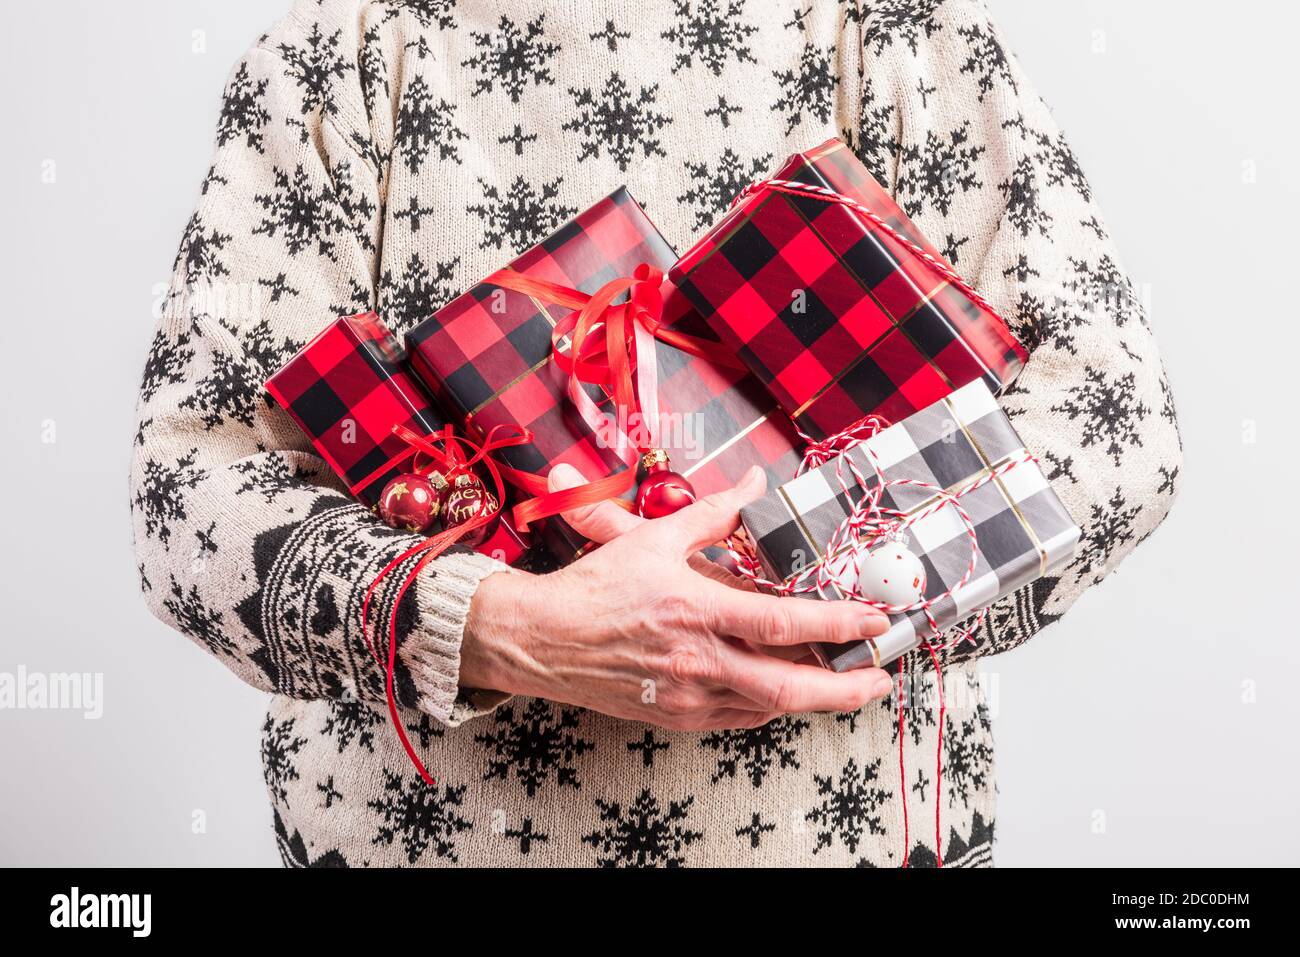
(832, 317)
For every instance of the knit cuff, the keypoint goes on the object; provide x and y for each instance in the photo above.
(431, 652)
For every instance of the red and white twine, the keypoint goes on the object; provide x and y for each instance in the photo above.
(827, 195)
(835, 573)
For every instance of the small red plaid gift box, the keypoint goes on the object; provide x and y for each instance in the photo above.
(836, 316)
(487, 355)
(346, 389)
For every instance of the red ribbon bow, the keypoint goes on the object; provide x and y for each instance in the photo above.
(452, 461)
(611, 346)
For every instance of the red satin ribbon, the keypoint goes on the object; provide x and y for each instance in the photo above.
(451, 459)
(621, 361)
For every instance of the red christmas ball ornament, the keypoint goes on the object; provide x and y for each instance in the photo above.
(467, 499)
(662, 491)
(409, 501)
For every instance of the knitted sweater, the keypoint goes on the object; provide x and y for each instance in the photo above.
(388, 155)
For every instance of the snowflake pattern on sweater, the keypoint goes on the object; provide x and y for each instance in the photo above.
(389, 153)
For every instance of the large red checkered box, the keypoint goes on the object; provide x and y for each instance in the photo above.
(346, 389)
(487, 357)
(834, 315)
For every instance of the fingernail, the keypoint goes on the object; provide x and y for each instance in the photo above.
(872, 624)
(883, 688)
(752, 477)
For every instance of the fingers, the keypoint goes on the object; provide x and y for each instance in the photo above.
(713, 517)
(769, 620)
(601, 522)
(712, 570)
(775, 685)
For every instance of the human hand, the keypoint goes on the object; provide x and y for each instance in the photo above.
(645, 628)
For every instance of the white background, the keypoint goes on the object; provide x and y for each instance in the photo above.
(1155, 725)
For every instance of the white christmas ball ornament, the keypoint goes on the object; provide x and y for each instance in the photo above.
(892, 575)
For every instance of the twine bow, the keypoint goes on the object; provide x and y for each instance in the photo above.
(868, 524)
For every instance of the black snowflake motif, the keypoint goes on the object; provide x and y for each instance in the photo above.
(294, 853)
(420, 291)
(617, 120)
(875, 140)
(710, 33)
(1168, 480)
(756, 751)
(931, 173)
(1167, 410)
(525, 835)
(278, 287)
(431, 13)
(987, 60)
(279, 747)
(1024, 206)
(207, 539)
(518, 139)
(851, 808)
(1062, 166)
(161, 495)
(350, 720)
(1109, 528)
(1104, 290)
(242, 112)
(541, 741)
(1095, 224)
(270, 476)
(952, 247)
(197, 620)
(1111, 412)
(809, 90)
(425, 730)
(358, 299)
(166, 363)
(146, 585)
(1054, 322)
(648, 747)
(423, 124)
(230, 389)
(713, 190)
(611, 35)
(1021, 269)
(512, 57)
(643, 834)
(885, 22)
(357, 207)
(1058, 467)
(414, 212)
(213, 178)
(329, 792)
(755, 829)
(967, 762)
(200, 253)
(524, 214)
(419, 816)
(315, 67)
(304, 215)
(372, 70)
(723, 111)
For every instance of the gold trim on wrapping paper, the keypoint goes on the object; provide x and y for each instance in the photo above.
(953, 489)
(728, 444)
(748, 214)
(896, 325)
(807, 536)
(997, 480)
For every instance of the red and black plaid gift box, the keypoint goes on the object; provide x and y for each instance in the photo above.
(836, 317)
(346, 389)
(487, 355)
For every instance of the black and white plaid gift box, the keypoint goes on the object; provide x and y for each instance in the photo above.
(1023, 530)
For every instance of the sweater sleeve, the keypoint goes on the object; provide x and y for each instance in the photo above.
(948, 119)
(246, 542)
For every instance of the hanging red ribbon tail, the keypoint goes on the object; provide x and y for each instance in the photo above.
(451, 459)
